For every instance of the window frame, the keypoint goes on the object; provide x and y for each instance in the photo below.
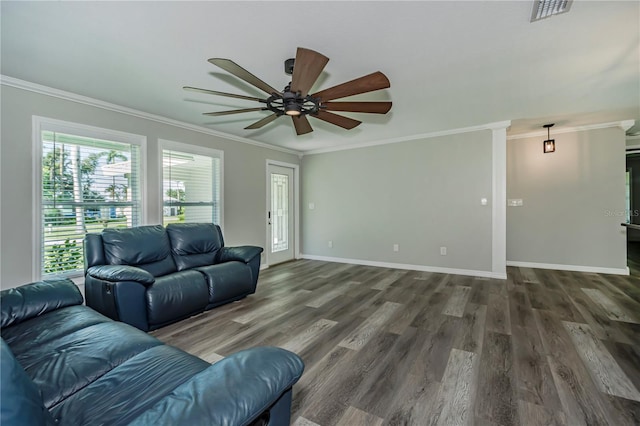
(165, 144)
(40, 124)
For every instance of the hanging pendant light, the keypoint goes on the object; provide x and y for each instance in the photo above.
(550, 144)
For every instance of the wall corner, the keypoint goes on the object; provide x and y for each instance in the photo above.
(499, 206)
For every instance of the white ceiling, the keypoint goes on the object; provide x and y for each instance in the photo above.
(451, 64)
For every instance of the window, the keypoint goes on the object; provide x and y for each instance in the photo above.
(88, 179)
(191, 183)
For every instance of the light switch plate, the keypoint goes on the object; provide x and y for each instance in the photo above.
(514, 202)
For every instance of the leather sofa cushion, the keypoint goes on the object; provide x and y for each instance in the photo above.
(176, 296)
(93, 250)
(42, 329)
(125, 392)
(194, 244)
(25, 302)
(227, 281)
(62, 366)
(21, 401)
(248, 381)
(146, 247)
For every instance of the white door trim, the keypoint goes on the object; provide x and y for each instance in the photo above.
(296, 206)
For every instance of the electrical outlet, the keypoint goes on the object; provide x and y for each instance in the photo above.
(330, 244)
(443, 251)
(396, 247)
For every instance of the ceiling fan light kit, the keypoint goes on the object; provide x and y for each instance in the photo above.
(295, 100)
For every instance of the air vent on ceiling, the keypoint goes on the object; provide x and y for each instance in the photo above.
(545, 8)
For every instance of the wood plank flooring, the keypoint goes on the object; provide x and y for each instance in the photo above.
(390, 347)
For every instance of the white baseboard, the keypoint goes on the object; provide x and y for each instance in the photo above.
(574, 268)
(422, 268)
(266, 265)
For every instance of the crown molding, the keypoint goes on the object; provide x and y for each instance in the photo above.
(624, 125)
(73, 97)
(498, 125)
(489, 126)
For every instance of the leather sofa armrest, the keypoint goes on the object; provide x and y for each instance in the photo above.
(233, 391)
(241, 253)
(31, 300)
(117, 273)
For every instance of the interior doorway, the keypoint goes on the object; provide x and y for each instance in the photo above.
(282, 212)
(632, 209)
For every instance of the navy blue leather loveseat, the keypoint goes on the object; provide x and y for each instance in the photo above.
(150, 276)
(63, 363)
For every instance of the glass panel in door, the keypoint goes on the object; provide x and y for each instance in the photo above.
(279, 212)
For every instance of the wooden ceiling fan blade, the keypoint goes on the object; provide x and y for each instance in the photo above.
(338, 120)
(258, 124)
(306, 70)
(229, 95)
(233, 111)
(235, 69)
(367, 107)
(301, 123)
(367, 83)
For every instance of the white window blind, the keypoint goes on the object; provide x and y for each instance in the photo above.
(190, 187)
(88, 184)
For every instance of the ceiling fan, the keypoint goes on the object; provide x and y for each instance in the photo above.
(295, 100)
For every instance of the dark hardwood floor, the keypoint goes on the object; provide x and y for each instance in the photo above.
(385, 346)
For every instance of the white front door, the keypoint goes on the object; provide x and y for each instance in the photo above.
(280, 216)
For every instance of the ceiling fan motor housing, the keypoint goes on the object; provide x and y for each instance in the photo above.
(280, 103)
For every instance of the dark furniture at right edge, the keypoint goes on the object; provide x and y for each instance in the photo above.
(151, 276)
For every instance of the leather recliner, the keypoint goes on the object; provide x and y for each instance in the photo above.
(62, 363)
(151, 276)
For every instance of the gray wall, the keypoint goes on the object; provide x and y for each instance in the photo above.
(574, 200)
(420, 195)
(244, 173)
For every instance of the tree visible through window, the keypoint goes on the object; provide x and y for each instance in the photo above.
(87, 185)
(190, 186)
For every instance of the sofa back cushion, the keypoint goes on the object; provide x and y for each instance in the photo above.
(28, 301)
(20, 400)
(146, 247)
(194, 244)
(93, 251)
